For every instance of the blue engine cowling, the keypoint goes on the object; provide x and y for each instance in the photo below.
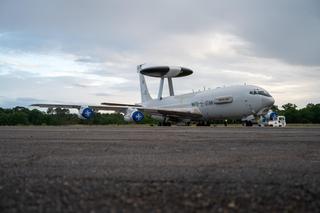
(85, 112)
(137, 116)
(133, 115)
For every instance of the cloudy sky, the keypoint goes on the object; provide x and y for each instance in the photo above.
(79, 51)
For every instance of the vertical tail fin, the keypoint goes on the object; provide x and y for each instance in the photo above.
(145, 95)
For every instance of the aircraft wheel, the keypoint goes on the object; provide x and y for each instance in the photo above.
(201, 123)
(164, 124)
(248, 123)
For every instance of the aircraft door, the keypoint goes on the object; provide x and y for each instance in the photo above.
(247, 103)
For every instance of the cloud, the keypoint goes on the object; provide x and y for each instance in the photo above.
(54, 64)
(6, 102)
(79, 85)
(289, 30)
(88, 60)
(72, 50)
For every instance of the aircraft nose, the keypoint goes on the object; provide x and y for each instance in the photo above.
(267, 101)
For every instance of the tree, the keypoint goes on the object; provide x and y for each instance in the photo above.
(50, 110)
(3, 118)
(36, 117)
(61, 111)
(289, 106)
(18, 118)
(275, 108)
(291, 113)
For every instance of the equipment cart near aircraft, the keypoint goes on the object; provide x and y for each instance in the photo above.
(273, 120)
(280, 121)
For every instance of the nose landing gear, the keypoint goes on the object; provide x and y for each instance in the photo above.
(164, 123)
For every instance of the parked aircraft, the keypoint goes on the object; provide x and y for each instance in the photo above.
(232, 102)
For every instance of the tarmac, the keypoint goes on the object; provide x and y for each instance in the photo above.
(159, 169)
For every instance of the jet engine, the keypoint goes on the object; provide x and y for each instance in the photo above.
(85, 112)
(133, 114)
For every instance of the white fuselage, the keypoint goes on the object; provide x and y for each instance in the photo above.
(233, 102)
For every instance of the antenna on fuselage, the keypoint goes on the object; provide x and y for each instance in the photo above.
(163, 72)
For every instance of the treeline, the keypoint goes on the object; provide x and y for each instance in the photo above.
(308, 114)
(58, 116)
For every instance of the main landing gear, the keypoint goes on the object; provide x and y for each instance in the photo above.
(247, 123)
(203, 123)
(164, 123)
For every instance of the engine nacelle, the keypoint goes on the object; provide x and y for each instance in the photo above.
(85, 112)
(133, 115)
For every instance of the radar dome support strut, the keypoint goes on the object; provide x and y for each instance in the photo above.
(161, 88)
(171, 92)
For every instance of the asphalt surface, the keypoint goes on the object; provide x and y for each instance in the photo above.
(159, 169)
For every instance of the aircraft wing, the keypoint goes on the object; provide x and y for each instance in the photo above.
(71, 106)
(169, 112)
(117, 104)
(192, 113)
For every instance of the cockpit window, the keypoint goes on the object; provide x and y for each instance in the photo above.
(264, 93)
(260, 92)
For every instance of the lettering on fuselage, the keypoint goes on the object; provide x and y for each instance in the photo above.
(218, 100)
(202, 104)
